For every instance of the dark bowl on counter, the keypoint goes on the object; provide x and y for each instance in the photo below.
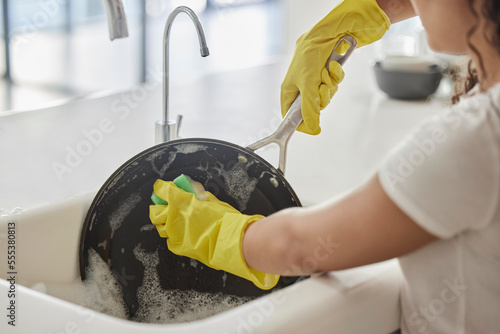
(408, 84)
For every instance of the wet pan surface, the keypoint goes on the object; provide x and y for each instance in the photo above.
(117, 225)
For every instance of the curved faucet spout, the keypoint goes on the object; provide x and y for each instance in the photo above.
(199, 29)
(117, 20)
(167, 129)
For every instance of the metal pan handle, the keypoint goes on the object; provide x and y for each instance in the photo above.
(293, 118)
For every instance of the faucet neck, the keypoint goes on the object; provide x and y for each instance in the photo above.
(117, 21)
(166, 41)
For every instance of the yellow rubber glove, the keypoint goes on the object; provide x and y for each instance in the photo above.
(362, 19)
(208, 230)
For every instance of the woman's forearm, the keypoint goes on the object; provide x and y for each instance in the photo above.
(268, 243)
(397, 10)
(362, 228)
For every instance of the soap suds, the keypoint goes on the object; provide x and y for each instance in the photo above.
(224, 278)
(273, 178)
(147, 227)
(92, 220)
(102, 292)
(116, 218)
(115, 180)
(237, 183)
(172, 155)
(99, 292)
(198, 188)
(157, 305)
(190, 148)
(242, 158)
(274, 182)
(153, 156)
(103, 244)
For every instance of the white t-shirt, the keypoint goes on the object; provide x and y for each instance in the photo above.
(446, 176)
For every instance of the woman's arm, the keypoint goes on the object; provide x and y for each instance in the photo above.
(364, 227)
(397, 10)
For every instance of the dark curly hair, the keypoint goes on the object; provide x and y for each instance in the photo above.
(491, 11)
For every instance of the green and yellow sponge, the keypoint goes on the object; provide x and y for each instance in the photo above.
(185, 183)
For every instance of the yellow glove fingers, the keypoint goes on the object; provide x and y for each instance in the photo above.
(158, 216)
(336, 72)
(288, 95)
(362, 19)
(165, 216)
(330, 81)
(310, 105)
(326, 90)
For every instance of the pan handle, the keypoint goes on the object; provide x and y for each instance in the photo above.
(294, 115)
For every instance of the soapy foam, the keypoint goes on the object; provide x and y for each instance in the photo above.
(116, 218)
(242, 158)
(103, 244)
(193, 263)
(157, 305)
(273, 178)
(181, 148)
(153, 156)
(92, 220)
(190, 148)
(274, 182)
(147, 227)
(237, 183)
(101, 292)
(224, 278)
(115, 180)
(198, 188)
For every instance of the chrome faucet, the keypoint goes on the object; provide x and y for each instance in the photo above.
(167, 129)
(117, 20)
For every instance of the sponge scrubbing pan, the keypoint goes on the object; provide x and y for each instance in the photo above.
(185, 183)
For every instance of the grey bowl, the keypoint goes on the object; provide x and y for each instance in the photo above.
(408, 85)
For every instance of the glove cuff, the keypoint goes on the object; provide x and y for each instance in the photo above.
(376, 22)
(228, 253)
(362, 19)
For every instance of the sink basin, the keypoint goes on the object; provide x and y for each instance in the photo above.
(47, 255)
(51, 234)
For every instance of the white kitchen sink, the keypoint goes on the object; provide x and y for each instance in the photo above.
(47, 240)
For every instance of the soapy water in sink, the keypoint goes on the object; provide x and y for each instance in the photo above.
(101, 292)
(165, 306)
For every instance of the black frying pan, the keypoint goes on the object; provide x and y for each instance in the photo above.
(118, 222)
